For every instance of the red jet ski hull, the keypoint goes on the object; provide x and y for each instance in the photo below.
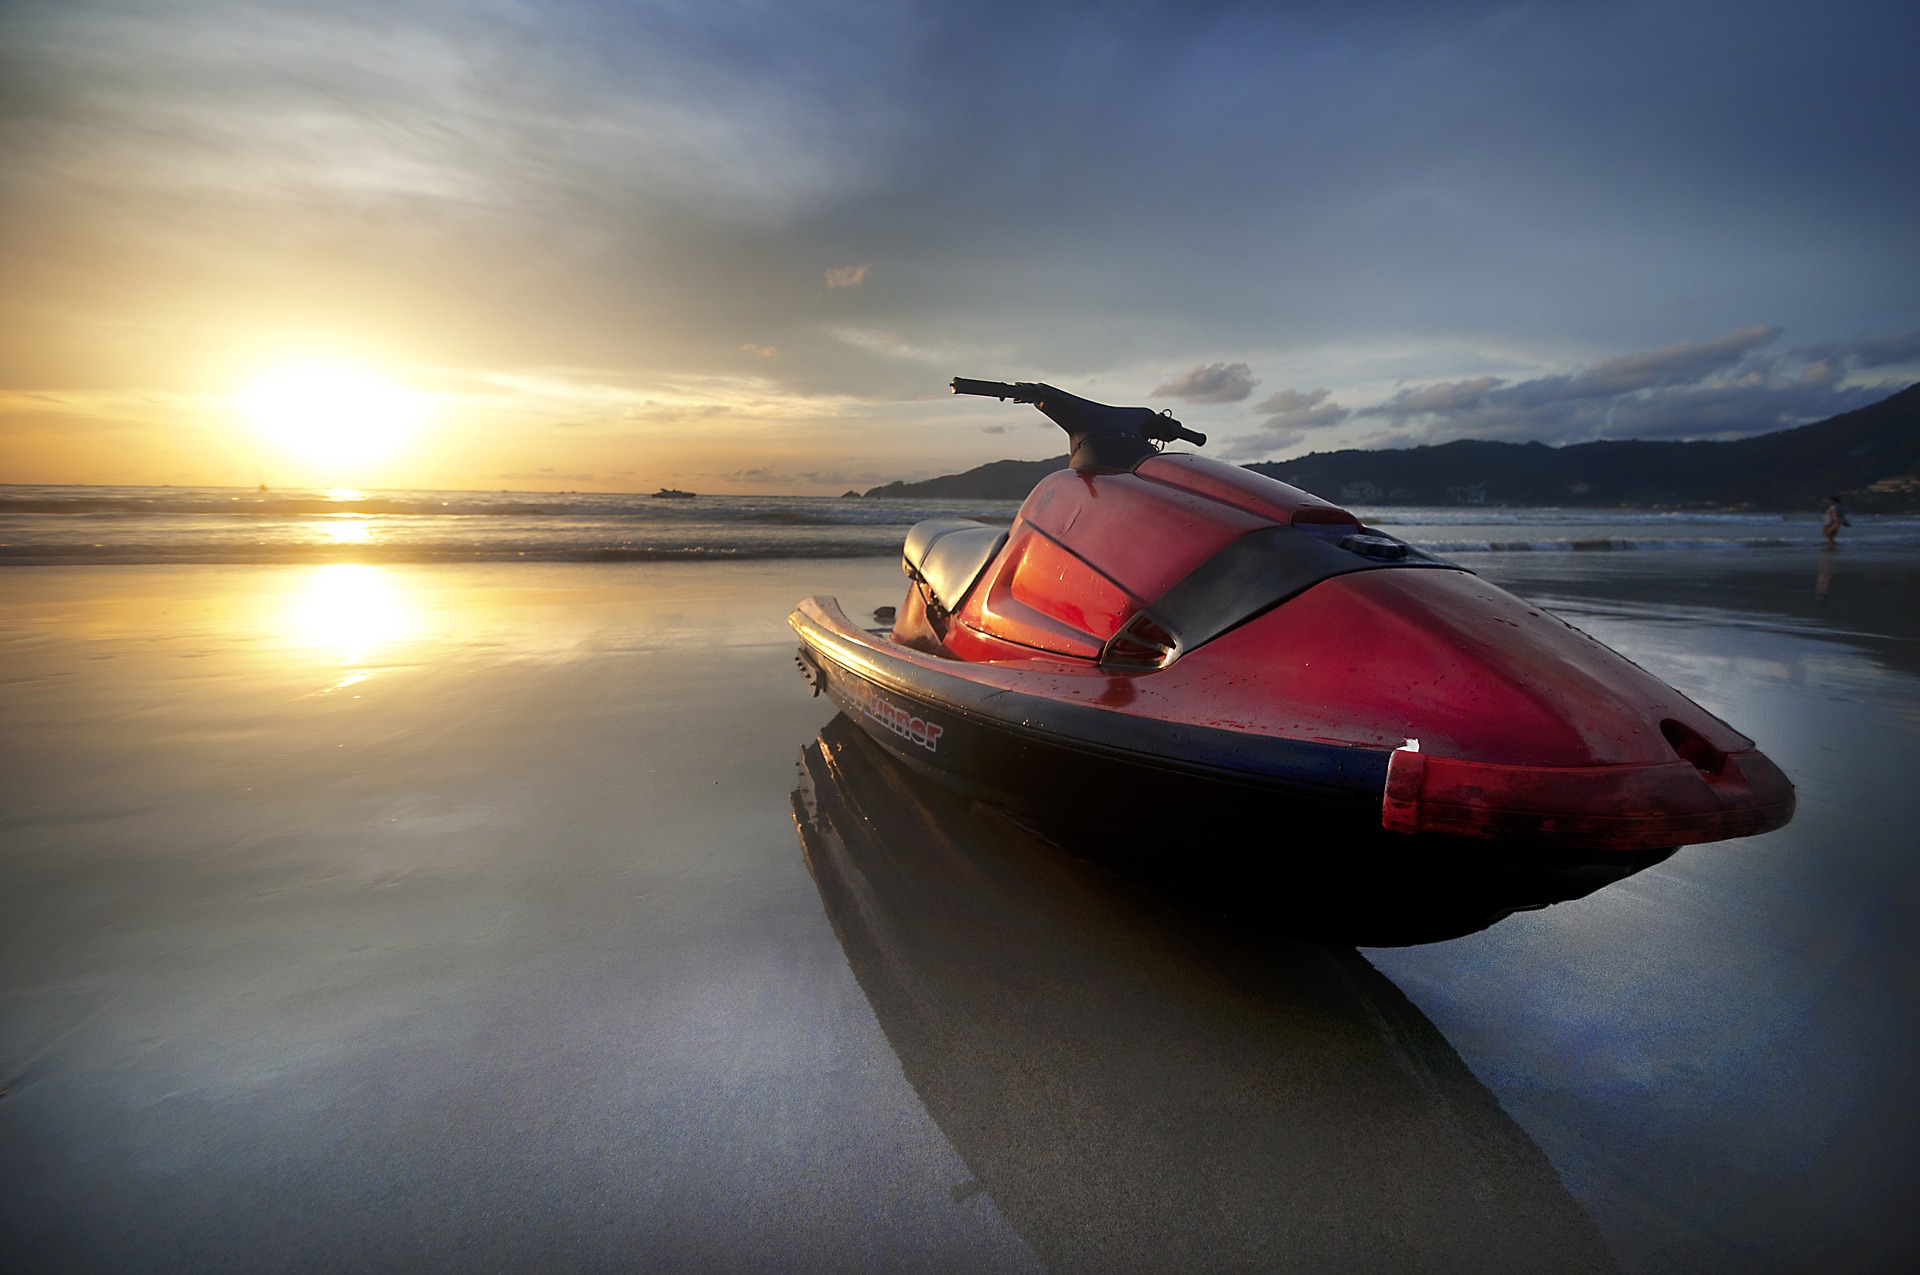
(1195, 647)
(1045, 746)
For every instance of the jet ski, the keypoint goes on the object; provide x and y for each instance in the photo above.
(1177, 653)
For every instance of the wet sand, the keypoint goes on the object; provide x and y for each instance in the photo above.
(442, 917)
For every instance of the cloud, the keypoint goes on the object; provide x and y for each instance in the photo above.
(1259, 447)
(1442, 396)
(1676, 364)
(1210, 383)
(848, 276)
(546, 474)
(1682, 363)
(788, 479)
(1289, 416)
(1718, 388)
(1891, 350)
(764, 351)
(1292, 411)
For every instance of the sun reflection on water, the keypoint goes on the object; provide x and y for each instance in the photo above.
(352, 612)
(348, 529)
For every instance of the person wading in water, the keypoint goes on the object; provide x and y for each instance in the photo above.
(1836, 519)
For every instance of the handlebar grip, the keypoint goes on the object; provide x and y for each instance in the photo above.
(986, 389)
(1163, 428)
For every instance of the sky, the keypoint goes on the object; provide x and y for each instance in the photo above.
(743, 247)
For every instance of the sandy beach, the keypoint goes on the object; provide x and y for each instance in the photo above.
(442, 917)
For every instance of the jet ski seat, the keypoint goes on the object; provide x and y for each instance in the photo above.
(948, 555)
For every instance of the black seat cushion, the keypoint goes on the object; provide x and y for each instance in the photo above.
(948, 555)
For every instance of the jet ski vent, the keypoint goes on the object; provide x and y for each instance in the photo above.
(1383, 547)
(1141, 643)
(1707, 759)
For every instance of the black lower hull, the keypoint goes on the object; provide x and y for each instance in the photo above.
(1299, 850)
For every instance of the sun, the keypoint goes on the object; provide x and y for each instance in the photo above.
(332, 413)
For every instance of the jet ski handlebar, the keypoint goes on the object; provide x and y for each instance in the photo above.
(1024, 392)
(1101, 435)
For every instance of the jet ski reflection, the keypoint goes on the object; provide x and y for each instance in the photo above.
(1138, 1088)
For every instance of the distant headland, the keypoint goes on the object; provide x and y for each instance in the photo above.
(1871, 456)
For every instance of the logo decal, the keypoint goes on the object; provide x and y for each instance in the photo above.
(894, 718)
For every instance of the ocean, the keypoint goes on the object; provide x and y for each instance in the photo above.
(46, 525)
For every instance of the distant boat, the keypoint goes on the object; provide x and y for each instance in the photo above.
(672, 493)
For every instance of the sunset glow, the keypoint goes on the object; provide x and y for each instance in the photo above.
(332, 414)
(704, 247)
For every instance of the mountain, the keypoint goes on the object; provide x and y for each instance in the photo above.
(999, 480)
(1871, 456)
